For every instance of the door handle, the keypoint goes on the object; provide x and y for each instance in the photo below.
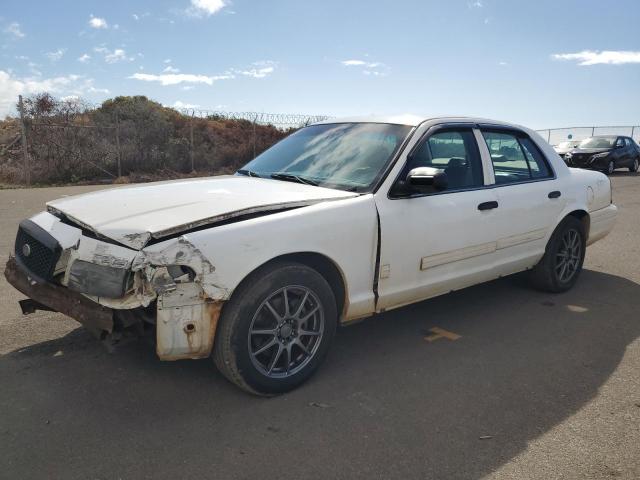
(488, 205)
(554, 194)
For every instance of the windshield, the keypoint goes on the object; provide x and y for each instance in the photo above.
(598, 142)
(567, 144)
(347, 156)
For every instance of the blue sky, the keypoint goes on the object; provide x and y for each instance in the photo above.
(542, 63)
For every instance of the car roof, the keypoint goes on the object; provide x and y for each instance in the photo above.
(412, 120)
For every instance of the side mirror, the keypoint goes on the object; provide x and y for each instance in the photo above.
(427, 179)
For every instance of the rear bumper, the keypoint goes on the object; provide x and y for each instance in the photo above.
(91, 315)
(602, 222)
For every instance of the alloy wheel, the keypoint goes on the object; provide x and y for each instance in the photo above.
(286, 331)
(569, 255)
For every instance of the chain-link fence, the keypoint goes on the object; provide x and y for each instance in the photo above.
(556, 135)
(60, 141)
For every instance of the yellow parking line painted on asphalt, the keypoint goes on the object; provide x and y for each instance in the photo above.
(437, 332)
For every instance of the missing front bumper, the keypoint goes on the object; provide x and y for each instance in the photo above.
(94, 317)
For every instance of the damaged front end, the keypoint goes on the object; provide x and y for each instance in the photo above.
(113, 290)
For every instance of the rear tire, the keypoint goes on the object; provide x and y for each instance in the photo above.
(276, 329)
(636, 163)
(560, 267)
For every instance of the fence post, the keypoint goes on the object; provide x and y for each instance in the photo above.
(193, 165)
(549, 136)
(118, 153)
(593, 131)
(25, 150)
(633, 129)
(255, 119)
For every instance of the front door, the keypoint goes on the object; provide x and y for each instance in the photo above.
(438, 241)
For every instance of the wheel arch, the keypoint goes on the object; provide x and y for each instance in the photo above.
(319, 262)
(584, 217)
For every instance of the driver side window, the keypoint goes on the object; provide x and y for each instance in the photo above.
(453, 152)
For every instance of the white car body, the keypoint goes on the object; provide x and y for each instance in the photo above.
(389, 252)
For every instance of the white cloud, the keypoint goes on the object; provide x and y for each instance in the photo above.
(56, 55)
(605, 57)
(170, 75)
(97, 22)
(259, 69)
(118, 55)
(177, 78)
(97, 90)
(353, 63)
(180, 105)
(138, 17)
(373, 69)
(14, 29)
(167, 60)
(115, 56)
(502, 64)
(475, 4)
(84, 58)
(186, 88)
(361, 63)
(66, 85)
(207, 8)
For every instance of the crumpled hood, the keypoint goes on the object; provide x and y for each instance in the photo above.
(133, 215)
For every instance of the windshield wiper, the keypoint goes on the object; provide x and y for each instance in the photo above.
(248, 173)
(290, 177)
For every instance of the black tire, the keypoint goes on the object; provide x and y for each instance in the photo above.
(636, 163)
(546, 275)
(235, 351)
(611, 166)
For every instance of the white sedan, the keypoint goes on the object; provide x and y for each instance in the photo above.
(337, 222)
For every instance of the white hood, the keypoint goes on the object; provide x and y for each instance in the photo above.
(132, 215)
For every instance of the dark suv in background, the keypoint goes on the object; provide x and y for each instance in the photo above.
(605, 153)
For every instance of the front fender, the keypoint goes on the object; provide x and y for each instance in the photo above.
(344, 231)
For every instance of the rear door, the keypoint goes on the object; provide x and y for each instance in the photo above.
(529, 195)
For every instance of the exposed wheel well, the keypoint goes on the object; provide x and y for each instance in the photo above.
(584, 218)
(324, 266)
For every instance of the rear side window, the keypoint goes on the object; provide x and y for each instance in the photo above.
(515, 158)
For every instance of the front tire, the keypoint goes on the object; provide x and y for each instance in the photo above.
(276, 329)
(611, 166)
(636, 164)
(562, 262)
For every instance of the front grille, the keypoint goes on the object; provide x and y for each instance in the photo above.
(37, 252)
(580, 159)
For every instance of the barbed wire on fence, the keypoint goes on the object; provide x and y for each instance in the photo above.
(281, 120)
